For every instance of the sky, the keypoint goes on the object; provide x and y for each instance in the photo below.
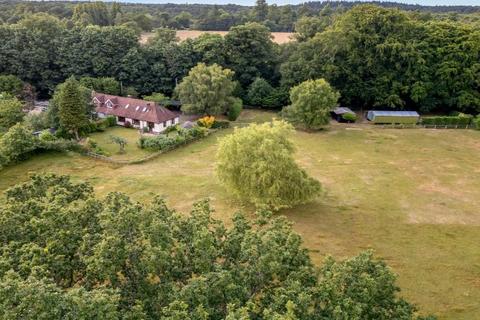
(280, 2)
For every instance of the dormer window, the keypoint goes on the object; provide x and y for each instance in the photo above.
(109, 104)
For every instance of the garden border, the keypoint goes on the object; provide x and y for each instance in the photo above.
(147, 158)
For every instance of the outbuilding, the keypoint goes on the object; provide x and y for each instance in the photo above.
(339, 112)
(393, 117)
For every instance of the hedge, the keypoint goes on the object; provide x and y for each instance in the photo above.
(476, 122)
(461, 120)
(163, 142)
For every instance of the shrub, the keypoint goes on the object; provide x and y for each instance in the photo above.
(476, 122)
(218, 124)
(171, 129)
(235, 109)
(46, 135)
(206, 121)
(111, 121)
(164, 142)
(90, 127)
(92, 146)
(38, 121)
(349, 117)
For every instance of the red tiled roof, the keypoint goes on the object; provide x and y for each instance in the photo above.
(131, 108)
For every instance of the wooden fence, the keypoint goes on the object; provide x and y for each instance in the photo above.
(423, 126)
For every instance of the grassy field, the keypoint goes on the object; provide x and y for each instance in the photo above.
(412, 195)
(278, 37)
(132, 151)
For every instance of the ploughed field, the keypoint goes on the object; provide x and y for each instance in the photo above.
(278, 37)
(412, 195)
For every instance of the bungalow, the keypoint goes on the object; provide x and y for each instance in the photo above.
(141, 114)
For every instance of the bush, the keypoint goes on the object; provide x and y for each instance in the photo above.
(164, 142)
(111, 121)
(218, 124)
(19, 143)
(206, 121)
(92, 146)
(349, 117)
(46, 135)
(235, 109)
(171, 129)
(476, 122)
(90, 127)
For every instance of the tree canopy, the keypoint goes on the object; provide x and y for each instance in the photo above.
(206, 90)
(312, 102)
(72, 107)
(10, 112)
(255, 163)
(67, 254)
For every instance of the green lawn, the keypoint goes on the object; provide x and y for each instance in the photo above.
(132, 151)
(413, 195)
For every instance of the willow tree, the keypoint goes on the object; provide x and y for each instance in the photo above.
(256, 164)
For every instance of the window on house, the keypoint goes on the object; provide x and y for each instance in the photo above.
(136, 122)
(121, 119)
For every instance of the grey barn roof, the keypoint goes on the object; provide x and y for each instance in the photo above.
(342, 110)
(380, 113)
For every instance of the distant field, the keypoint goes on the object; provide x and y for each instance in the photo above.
(278, 37)
(412, 195)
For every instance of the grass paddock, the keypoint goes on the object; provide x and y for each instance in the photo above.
(412, 195)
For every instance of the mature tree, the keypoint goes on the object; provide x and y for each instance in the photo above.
(183, 20)
(10, 112)
(206, 90)
(164, 35)
(16, 144)
(256, 164)
(105, 85)
(307, 27)
(29, 50)
(92, 13)
(79, 52)
(67, 254)
(157, 97)
(211, 48)
(72, 107)
(312, 102)
(258, 91)
(11, 84)
(260, 10)
(251, 53)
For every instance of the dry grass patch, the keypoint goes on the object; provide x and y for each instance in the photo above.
(278, 37)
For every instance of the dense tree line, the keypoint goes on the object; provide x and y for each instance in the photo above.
(201, 16)
(43, 51)
(66, 254)
(386, 58)
(374, 57)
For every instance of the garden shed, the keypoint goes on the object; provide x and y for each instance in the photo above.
(339, 112)
(393, 117)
